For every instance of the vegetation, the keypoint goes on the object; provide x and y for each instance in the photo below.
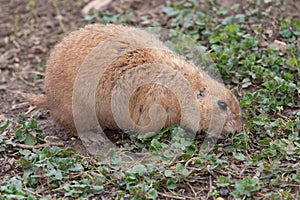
(257, 60)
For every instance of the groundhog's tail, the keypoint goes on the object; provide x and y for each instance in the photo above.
(39, 100)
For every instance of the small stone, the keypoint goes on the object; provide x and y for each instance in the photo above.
(223, 192)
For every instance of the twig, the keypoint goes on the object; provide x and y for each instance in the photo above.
(31, 108)
(289, 185)
(170, 196)
(210, 188)
(186, 197)
(262, 195)
(282, 116)
(77, 175)
(172, 161)
(18, 106)
(16, 44)
(225, 173)
(39, 73)
(24, 146)
(195, 194)
(20, 76)
(190, 160)
(34, 193)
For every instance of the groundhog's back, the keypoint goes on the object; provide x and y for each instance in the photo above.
(63, 65)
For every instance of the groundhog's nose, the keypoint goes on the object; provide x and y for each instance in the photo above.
(238, 124)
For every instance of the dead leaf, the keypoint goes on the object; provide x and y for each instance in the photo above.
(269, 32)
(281, 45)
(95, 5)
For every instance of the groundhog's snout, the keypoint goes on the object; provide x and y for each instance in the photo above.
(234, 116)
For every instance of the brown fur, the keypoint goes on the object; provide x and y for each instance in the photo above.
(135, 51)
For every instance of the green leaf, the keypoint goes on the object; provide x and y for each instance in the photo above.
(156, 145)
(168, 173)
(30, 140)
(146, 136)
(152, 194)
(56, 174)
(32, 124)
(98, 189)
(170, 11)
(172, 183)
(180, 169)
(77, 168)
(3, 126)
(139, 169)
(239, 156)
(246, 187)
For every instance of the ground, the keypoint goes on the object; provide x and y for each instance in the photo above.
(29, 29)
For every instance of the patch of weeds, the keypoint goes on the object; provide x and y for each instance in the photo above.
(171, 137)
(41, 171)
(20, 132)
(245, 53)
(128, 17)
(4, 135)
(245, 187)
(71, 175)
(290, 29)
(27, 132)
(105, 18)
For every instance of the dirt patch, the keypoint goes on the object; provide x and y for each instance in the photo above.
(28, 32)
(292, 9)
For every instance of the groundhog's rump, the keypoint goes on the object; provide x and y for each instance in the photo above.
(131, 81)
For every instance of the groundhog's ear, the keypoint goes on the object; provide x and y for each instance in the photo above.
(201, 93)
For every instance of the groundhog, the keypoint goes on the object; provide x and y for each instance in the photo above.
(124, 79)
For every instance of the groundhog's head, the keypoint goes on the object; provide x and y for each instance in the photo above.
(221, 109)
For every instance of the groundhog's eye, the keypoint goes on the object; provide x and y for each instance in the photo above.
(201, 93)
(222, 105)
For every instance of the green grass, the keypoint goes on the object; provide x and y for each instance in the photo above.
(261, 162)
